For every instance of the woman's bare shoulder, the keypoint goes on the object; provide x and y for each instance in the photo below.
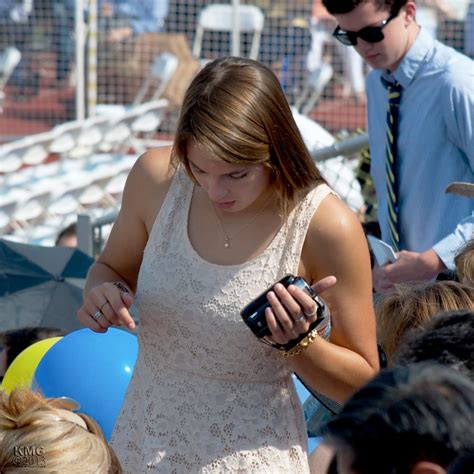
(154, 166)
(334, 220)
(148, 182)
(334, 233)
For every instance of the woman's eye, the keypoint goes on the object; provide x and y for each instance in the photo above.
(238, 176)
(196, 170)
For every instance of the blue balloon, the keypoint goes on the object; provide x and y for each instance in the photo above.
(92, 368)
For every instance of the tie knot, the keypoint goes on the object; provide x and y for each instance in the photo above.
(394, 87)
(389, 85)
(394, 93)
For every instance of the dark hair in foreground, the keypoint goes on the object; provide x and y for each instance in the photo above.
(448, 339)
(17, 340)
(406, 415)
(236, 110)
(346, 6)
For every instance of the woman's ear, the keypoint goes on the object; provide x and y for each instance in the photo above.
(427, 467)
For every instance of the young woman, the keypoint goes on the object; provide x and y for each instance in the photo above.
(205, 227)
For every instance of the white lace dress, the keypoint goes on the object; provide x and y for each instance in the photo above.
(205, 395)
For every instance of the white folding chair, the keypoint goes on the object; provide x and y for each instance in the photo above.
(220, 18)
(7, 210)
(79, 138)
(161, 71)
(31, 211)
(116, 186)
(314, 86)
(10, 160)
(127, 127)
(9, 59)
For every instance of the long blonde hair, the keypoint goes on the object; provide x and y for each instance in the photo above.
(411, 305)
(236, 110)
(47, 434)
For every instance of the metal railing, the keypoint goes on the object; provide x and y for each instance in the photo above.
(346, 147)
(90, 235)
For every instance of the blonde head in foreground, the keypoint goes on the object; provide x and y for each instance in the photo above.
(44, 435)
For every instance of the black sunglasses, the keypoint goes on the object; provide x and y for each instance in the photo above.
(370, 34)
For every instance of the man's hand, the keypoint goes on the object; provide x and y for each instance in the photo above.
(409, 266)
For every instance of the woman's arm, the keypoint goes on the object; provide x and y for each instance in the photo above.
(121, 258)
(335, 245)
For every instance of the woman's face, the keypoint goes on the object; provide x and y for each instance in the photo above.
(230, 187)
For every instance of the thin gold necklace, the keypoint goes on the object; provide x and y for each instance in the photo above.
(227, 237)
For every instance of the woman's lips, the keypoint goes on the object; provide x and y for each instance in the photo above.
(224, 205)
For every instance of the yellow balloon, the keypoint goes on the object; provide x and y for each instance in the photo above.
(21, 370)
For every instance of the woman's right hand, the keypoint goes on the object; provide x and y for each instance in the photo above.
(107, 305)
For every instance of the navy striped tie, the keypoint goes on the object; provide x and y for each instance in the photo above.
(394, 95)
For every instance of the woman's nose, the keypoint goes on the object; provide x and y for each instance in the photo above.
(215, 190)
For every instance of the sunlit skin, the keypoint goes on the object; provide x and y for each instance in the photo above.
(231, 188)
(399, 33)
(241, 191)
(238, 193)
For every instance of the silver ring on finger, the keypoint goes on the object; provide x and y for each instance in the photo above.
(300, 318)
(98, 314)
(312, 314)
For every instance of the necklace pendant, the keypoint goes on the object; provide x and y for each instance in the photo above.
(226, 243)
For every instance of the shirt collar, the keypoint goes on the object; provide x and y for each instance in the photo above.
(412, 60)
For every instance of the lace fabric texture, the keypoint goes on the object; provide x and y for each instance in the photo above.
(207, 396)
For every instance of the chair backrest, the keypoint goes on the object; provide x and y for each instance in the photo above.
(162, 69)
(220, 17)
(9, 59)
(314, 86)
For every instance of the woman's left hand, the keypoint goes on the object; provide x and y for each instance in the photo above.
(293, 310)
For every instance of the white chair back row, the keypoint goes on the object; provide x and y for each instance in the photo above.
(81, 139)
(220, 17)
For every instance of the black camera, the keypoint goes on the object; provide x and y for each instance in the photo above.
(254, 313)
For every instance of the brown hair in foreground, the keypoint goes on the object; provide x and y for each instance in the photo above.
(412, 305)
(464, 262)
(236, 110)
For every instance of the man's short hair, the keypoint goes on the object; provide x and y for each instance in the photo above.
(422, 412)
(447, 339)
(336, 7)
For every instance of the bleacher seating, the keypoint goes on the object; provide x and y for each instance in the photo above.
(39, 196)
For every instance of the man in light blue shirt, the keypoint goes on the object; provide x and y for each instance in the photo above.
(435, 135)
(130, 18)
